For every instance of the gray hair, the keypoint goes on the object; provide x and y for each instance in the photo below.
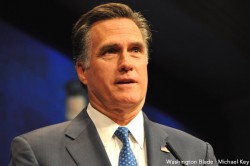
(80, 34)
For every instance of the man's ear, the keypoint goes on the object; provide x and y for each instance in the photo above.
(81, 72)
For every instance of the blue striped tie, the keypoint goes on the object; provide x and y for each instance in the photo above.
(126, 157)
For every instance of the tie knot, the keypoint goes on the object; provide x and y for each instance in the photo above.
(122, 133)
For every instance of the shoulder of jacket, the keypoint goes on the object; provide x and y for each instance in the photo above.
(47, 131)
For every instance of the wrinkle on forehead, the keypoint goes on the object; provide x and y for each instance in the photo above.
(116, 26)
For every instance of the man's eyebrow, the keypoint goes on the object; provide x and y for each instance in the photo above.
(138, 44)
(106, 47)
(114, 45)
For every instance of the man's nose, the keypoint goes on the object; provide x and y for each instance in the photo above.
(125, 63)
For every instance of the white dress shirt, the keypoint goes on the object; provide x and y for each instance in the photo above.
(106, 129)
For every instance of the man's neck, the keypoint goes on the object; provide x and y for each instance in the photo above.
(120, 116)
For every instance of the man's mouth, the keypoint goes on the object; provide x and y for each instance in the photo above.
(125, 81)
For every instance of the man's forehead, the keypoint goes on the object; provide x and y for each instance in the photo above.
(115, 24)
(116, 28)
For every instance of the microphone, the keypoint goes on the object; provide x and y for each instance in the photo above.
(174, 153)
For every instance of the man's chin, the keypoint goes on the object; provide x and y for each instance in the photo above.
(129, 102)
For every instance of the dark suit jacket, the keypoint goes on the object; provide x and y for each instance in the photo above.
(77, 143)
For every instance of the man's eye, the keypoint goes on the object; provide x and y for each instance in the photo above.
(136, 49)
(110, 51)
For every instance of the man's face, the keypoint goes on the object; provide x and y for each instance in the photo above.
(117, 73)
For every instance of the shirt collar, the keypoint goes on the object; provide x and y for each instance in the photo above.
(107, 127)
(136, 128)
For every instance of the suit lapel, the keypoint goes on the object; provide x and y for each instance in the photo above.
(85, 145)
(156, 139)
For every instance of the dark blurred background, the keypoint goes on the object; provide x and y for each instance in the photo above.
(199, 72)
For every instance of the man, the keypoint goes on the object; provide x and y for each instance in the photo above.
(111, 52)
